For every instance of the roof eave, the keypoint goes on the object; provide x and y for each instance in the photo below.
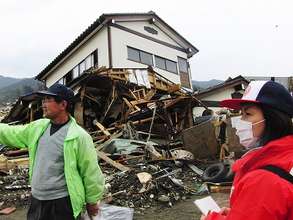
(79, 40)
(190, 49)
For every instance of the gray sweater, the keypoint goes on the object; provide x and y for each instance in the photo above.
(48, 180)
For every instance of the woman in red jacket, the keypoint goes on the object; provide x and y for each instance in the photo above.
(263, 184)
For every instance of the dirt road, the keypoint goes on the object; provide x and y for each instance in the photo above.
(184, 210)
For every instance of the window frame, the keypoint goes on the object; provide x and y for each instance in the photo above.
(140, 56)
(89, 59)
(80, 70)
(187, 65)
(176, 71)
(74, 76)
(134, 49)
(165, 63)
(61, 81)
(68, 77)
(75, 72)
(153, 60)
(95, 54)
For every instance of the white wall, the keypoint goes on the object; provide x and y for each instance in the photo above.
(97, 41)
(121, 39)
(139, 27)
(218, 96)
(224, 94)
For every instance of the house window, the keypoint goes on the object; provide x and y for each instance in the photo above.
(183, 65)
(82, 67)
(166, 64)
(160, 62)
(133, 54)
(95, 57)
(89, 62)
(140, 56)
(146, 58)
(68, 77)
(75, 72)
(171, 66)
(61, 81)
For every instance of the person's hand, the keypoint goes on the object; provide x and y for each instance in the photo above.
(203, 217)
(225, 211)
(92, 209)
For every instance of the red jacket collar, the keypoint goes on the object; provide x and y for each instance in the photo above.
(278, 152)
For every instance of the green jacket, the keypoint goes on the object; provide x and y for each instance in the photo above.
(85, 181)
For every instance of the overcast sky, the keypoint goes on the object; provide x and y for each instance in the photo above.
(248, 37)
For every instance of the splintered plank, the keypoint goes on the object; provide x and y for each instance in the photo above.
(78, 113)
(6, 165)
(113, 163)
(130, 105)
(150, 94)
(113, 136)
(174, 88)
(103, 129)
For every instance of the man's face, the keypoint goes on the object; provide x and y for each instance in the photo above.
(51, 108)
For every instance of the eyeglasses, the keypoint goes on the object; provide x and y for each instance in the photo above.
(47, 99)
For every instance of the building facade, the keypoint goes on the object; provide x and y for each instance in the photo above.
(136, 40)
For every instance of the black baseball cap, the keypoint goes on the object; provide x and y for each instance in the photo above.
(269, 93)
(58, 90)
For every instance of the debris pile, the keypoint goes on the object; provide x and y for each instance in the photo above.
(14, 178)
(143, 129)
(106, 99)
(4, 111)
(14, 187)
(150, 184)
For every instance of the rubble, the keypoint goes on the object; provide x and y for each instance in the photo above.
(15, 188)
(4, 111)
(8, 163)
(149, 147)
(108, 99)
(149, 185)
(7, 211)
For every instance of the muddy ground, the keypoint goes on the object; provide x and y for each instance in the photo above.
(184, 210)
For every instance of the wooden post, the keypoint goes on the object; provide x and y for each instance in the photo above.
(103, 129)
(190, 115)
(119, 166)
(78, 113)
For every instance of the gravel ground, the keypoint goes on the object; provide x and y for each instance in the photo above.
(184, 210)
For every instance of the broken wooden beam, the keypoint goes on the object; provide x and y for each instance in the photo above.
(115, 135)
(113, 163)
(7, 165)
(102, 128)
(13, 153)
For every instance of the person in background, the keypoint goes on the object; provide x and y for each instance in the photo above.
(263, 184)
(64, 172)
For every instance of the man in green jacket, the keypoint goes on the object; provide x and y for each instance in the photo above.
(64, 172)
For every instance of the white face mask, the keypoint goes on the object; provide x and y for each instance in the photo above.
(245, 133)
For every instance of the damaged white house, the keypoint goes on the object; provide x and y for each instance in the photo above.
(124, 40)
(211, 97)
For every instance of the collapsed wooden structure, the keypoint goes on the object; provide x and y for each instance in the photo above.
(108, 99)
(143, 129)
